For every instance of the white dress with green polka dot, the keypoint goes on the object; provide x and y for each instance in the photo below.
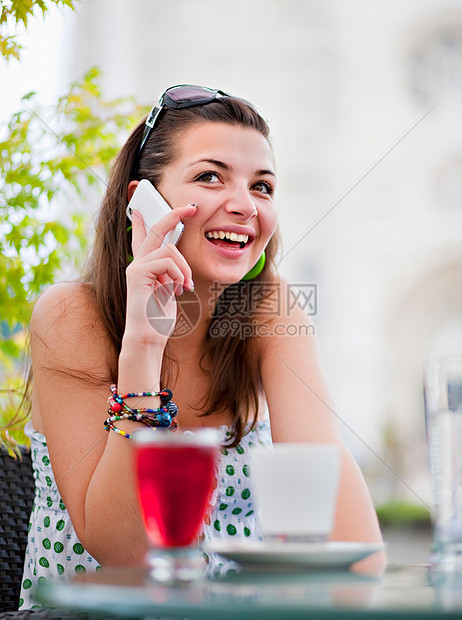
(234, 513)
(53, 548)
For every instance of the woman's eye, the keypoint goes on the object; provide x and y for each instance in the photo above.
(208, 177)
(263, 187)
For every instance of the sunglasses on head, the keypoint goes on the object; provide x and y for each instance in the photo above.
(178, 98)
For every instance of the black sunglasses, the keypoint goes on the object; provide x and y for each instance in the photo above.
(177, 98)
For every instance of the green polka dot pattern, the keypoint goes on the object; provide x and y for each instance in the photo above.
(233, 515)
(53, 547)
(78, 548)
(54, 550)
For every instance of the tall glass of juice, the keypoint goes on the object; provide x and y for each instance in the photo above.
(176, 476)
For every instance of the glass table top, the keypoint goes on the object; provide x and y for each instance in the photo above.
(402, 591)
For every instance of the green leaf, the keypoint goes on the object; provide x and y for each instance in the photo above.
(19, 12)
(29, 95)
(9, 48)
(48, 158)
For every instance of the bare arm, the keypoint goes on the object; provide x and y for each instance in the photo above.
(92, 468)
(71, 357)
(301, 410)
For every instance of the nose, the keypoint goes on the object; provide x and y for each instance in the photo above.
(240, 202)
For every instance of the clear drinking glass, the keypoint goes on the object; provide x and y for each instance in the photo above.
(443, 408)
(176, 476)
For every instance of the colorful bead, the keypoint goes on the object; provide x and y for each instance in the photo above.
(115, 406)
(164, 420)
(171, 408)
(165, 396)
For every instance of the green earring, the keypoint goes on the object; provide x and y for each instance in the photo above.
(256, 269)
(129, 256)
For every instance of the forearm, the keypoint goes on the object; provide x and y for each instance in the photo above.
(114, 531)
(356, 519)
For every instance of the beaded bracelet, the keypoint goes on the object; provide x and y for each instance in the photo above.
(165, 422)
(117, 404)
(162, 416)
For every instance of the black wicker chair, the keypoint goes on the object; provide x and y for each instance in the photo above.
(16, 498)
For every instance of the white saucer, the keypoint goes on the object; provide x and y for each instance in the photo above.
(311, 555)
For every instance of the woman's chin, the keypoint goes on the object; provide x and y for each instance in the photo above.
(218, 278)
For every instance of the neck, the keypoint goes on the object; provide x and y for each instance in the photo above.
(195, 311)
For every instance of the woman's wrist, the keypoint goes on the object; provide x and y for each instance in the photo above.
(140, 365)
(136, 344)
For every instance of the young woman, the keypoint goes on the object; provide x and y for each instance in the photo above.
(210, 157)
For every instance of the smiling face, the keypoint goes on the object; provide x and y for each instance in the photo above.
(228, 171)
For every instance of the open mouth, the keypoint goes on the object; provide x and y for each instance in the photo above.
(228, 239)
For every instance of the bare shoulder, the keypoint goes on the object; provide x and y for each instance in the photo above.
(61, 300)
(284, 300)
(66, 327)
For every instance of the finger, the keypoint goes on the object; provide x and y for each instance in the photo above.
(175, 285)
(178, 289)
(146, 272)
(156, 234)
(138, 232)
(163, 292)
(172, 252)
(184, 266)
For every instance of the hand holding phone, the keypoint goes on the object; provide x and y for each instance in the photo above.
(152, 206)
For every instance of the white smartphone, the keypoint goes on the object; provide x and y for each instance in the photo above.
(147, 200)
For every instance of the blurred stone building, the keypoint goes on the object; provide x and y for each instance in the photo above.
(364, 99)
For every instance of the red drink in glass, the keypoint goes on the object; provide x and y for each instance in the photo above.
(175, 486)
(176, 476)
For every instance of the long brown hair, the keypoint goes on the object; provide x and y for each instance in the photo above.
(235, 383)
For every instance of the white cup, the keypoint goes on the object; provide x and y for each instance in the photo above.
(296, 489)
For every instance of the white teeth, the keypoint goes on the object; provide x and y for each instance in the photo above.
(232, 236)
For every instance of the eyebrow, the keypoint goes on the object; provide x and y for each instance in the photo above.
(224, 166)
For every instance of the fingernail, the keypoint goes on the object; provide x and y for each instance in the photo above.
(191, 288)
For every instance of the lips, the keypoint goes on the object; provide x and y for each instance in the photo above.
(229, 238)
